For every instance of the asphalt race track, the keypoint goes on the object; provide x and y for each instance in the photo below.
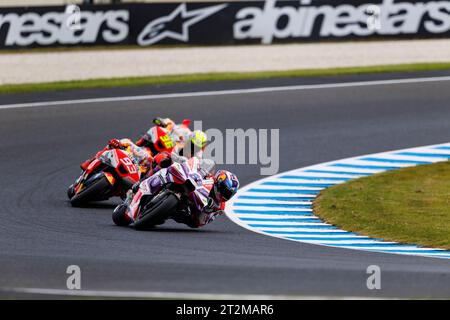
(41, 148)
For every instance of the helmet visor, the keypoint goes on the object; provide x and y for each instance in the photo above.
(225, 192)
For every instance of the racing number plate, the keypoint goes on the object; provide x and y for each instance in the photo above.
(167, 141)
(131, 167)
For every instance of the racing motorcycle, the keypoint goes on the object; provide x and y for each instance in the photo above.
(177, 187)
(110, 174)
(157, 140)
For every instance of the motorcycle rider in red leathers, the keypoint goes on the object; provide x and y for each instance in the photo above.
(141, 156)
(188, 144)
(177, 132)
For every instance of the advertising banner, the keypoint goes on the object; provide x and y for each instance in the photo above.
(222, 23)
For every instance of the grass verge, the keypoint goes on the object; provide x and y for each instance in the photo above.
(410, 205)
(201, 77)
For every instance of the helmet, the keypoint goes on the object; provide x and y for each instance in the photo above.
(197, 142)
(226, 185)
(169, 125)
(199, 138)
(165, 123)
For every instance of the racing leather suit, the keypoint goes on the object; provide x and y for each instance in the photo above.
(140, 156)
(203, 207)
(178, 133)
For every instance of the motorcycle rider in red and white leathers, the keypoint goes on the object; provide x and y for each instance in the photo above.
(187, 143)
(177, 132)
(141, 156)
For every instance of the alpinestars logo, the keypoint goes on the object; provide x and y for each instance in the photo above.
(175, 25)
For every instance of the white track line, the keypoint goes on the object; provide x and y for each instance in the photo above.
(173, 295)
(224, 92)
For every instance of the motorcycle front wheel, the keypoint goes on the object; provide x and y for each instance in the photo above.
(95, 191)
(157, 210)
(119, 216)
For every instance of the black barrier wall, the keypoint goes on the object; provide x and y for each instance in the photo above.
(213, 23)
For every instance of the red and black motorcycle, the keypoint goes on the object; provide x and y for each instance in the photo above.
(157, 140)
(110, 174)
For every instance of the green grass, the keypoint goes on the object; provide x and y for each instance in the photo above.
(410, 205)
(201, 77)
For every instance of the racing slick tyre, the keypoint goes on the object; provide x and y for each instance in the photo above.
(94, 191)
(70, 192)
(157, 210)
(119, 217)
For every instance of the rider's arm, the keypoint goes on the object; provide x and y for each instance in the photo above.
(209, 213)
(205, 218)
(126, 142)
(113, 143)
(177, 158)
